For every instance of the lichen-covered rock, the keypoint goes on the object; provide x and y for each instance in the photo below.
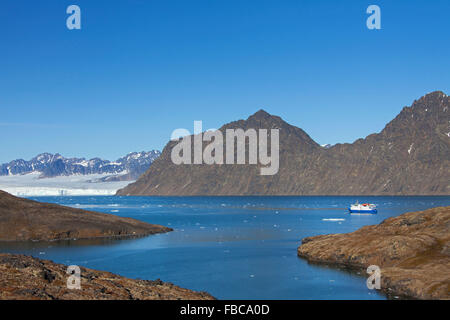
(27, 278)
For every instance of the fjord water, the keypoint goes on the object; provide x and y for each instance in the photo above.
(231, 247)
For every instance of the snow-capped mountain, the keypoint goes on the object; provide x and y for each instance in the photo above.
(129, 167)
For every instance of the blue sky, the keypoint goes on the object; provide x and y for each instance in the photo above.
(137, 70)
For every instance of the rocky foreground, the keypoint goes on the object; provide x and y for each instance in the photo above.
(27, 278)
(23, 220)
(412, 251)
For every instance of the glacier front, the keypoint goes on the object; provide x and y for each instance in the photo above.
(74, 185)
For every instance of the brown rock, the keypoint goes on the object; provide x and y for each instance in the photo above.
(412, 251)
(27, 278)
(23, 219)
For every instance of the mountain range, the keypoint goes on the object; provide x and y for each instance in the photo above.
(410, 156)
(129, 167)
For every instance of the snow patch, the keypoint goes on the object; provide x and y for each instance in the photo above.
(410, 148)
(83, 163)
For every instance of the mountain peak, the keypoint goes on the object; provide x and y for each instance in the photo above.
(433, 94)
(260, 114)
(433, 101)
(435, 97)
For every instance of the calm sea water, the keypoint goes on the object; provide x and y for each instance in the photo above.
(231, 247)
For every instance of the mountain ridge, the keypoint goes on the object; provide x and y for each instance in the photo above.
(408, 157)
(130, 167)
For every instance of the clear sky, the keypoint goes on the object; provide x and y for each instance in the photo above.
(137, 70)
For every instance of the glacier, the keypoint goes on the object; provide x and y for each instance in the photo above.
(74, 185)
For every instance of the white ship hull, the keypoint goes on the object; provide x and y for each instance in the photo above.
(363, 208)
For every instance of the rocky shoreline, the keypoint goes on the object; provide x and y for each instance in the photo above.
(412, 251)
(27, 278)
(27, 220)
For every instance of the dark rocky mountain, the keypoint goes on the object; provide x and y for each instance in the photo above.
(130, 166)
(410, 156)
